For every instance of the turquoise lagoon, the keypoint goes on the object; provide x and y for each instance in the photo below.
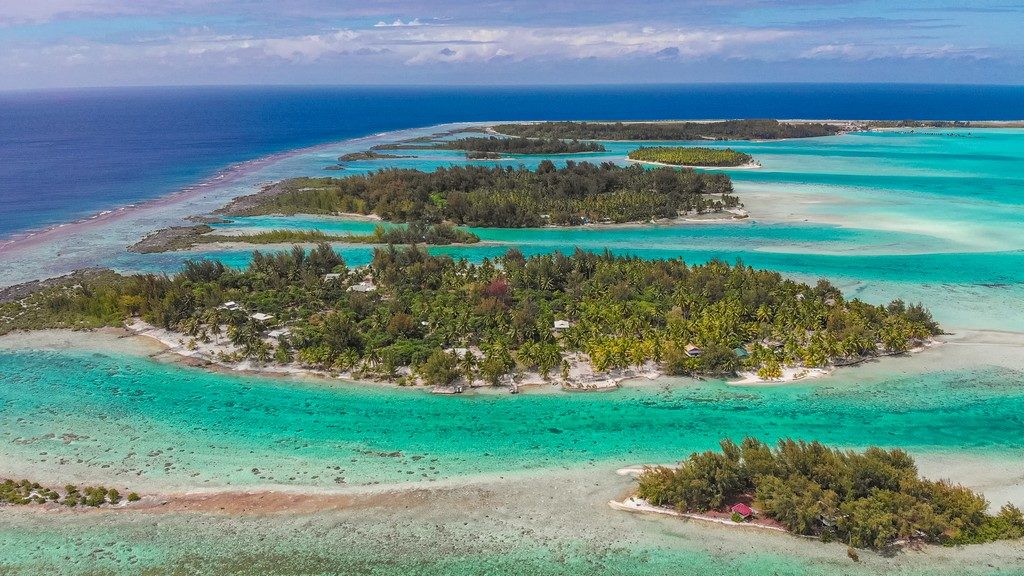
(974, 285)
(96, 415)
(931, 216)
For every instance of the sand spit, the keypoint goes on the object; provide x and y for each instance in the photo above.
(562, 512)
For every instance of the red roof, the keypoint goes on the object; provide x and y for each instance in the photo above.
(742, 510)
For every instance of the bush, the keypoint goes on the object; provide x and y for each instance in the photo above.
(869, 499)
(441, 368)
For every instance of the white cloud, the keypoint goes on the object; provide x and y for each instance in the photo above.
(413, 43)
(421, 44)
(853, 51)
(522, 43)
(399, 24)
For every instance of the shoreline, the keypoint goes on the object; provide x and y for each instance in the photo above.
(582, 377)
(160, 344)
(641, 506)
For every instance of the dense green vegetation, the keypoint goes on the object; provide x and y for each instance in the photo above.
(492, 144)
(368, 155)
(413, 233)
(502, 197)
(621, 312)
(418, 233)
(521, 145)
(183, 238)
(690, 156)
(272, 237)
(870, 499)
(26, 492)
(919, 124)
(727, 130)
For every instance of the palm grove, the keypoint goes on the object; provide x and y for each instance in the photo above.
(619, 312)
(502, 197)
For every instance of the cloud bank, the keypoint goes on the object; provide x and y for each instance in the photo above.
(301, 41)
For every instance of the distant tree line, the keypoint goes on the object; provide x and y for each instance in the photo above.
(495, 145)
(185, 237)
(919, 124)
(726, 130)
(368, 155)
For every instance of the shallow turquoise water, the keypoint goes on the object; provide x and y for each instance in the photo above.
(143, 421)
(922, 216)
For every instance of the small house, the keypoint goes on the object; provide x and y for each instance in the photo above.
(743, 510)
(261, 317)
(331, 277)
(279, 333)
(561, 325)
(693, 351)
(229, 305)
(364, 286)
(741, 352)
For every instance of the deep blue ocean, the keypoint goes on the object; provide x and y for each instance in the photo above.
(71, 153)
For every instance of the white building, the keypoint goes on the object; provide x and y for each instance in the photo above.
(364, 286)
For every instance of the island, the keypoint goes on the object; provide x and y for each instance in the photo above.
(585, 320)
(492, 144)
(870, 499)
(503, 197)
(185, 237)
(368, 155)
(691, 130)
(692, 157)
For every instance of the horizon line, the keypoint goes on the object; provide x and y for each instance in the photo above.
(502, 85)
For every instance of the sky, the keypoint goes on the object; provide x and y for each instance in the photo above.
(71, 43)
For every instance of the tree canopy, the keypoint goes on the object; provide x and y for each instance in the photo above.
(619, 311)
(725, 130)
(691, 156)
(499, 146)
(869, 499)
(502, 197)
